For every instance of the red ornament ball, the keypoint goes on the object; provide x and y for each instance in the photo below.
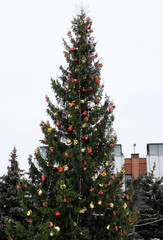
(70, 128)
(58, 124)
(66, 154)
(60, 169)
(84, 114)
(83, 90)
(110, 110)
(86, 138)
(57, 213)
(43, 178)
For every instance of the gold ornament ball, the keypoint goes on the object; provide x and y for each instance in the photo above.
(66, 86)
(84, 125)
(51, 234)
(98, 98)
(56, 114)
(108, 227)
(75, 142)
(99, 202)
(69, 115)
(39, 192)
(112, 139)
(92, 109)
(95, 129)
(91, 205)
(65, 168)
(63, 186)
(83, 150)
(111, 205)
(68, 141)
(124, 205)
(82, 101)
(107, 163)
(57, 228)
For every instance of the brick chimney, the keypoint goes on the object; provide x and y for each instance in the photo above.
(135, 165)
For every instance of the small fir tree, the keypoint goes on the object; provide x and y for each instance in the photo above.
(148, 198)
(9, 203)
(73, 192)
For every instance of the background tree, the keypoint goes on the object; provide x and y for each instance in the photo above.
(148, 198)
(73, 192)
(9, 203)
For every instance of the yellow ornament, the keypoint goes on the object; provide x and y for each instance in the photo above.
(105, 154)
(101, 65)
(56, 114)
(65, 168)
(103, 173)
(66, 133)
(51, 233)
(75, 142)
(84, 125)
(36, 150)
(10, 220)
(100, 184)
(92, 109)
(57, 228)
(66, 86)
(68, 141)
(95, 129)
(83, 150)
(47, 163)
(77, 107)
(69, 115)
(75, 224)
(91, 205)
(123, 170)
(73, 22)
(49, 130)
(63, 186)
(81, 22)
(79, 36)
(29, 212)
(82, 210)
(124, 205)
(82, 100)
(112, 139)
(99, 202)
(111, 205)
(39, 192)
(102, 85)
(98, 98)
(108, 227)
(107, 163)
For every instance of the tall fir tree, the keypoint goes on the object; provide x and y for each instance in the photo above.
(9, 203)
(73, 192)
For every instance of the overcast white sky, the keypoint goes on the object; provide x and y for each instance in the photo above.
(130, 43)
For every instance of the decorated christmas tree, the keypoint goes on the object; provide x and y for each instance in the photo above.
(73, 192)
